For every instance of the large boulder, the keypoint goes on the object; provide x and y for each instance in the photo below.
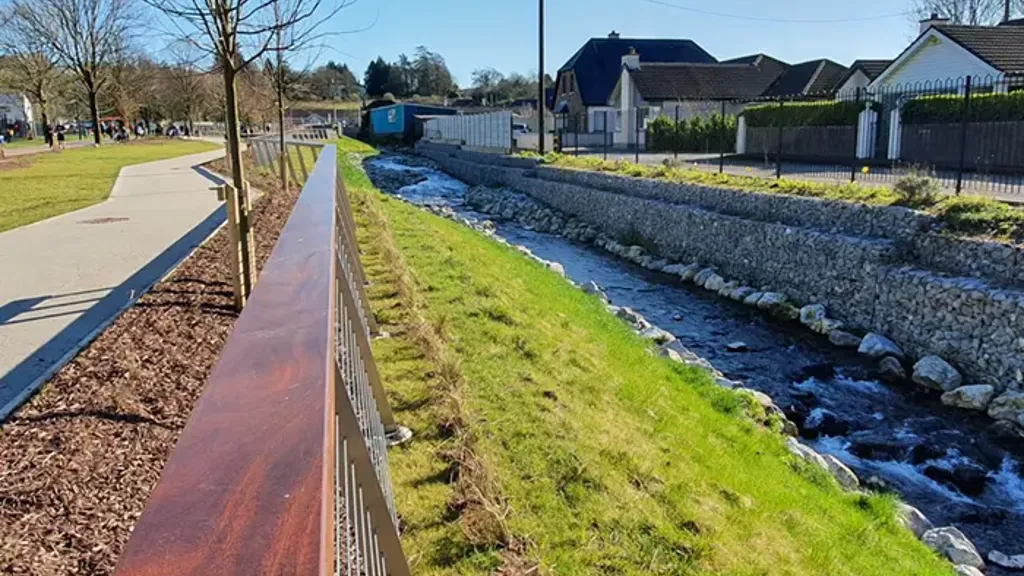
(657, 335)
(689, 272)
(753, 298)
(805, 453)
(770, 301)
(935, 373)
(891, 370)
(1009, 406)
(675, 269)
(633, 317)
(912, 519)
(841, 472)
(878, 346)
(812, 315)
(821, 422)
(844, 339)
(1015, 562)
(592, 288)
(952, 544)
(965, 570)
(714, 283)
(740, 294)
(556, 268)
(726, 290)
(702, 276)
(975, 397)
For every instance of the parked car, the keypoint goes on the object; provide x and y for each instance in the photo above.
(520, 128)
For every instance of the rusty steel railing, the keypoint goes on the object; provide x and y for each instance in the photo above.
(283, 467)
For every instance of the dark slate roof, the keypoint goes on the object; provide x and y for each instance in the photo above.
(870, 68)
(657, 82)
(763, 60)
(818, 77)
(598, 64)
(1000, 46)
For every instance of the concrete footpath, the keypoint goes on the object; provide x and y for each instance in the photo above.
(64, 279)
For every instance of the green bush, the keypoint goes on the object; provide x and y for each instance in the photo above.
(948, 108)
(818, 113)
(917, 190)
(697, 134)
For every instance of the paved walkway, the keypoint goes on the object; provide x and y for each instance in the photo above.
(64, 279)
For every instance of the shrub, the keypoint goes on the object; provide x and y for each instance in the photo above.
(948, 108)
(819, 113)
(697, 134)
(917, 190)
(975, 215)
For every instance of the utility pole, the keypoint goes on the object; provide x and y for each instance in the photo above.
(541, 100)
(1006, 10)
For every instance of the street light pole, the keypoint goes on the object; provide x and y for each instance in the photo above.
(541, 100)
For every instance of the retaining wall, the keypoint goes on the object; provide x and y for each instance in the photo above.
(875, 268)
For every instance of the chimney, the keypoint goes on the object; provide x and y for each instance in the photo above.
(631, 60)
(613, 35)
(930, 21)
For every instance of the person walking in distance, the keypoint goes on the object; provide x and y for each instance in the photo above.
(60, 137)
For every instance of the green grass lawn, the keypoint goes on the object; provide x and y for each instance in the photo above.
(548, 434)
(22, 144)
(40, 186)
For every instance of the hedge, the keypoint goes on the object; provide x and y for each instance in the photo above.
(818, 113)
(947, 108)
(694, 135)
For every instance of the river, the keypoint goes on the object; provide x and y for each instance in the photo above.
(942, 460)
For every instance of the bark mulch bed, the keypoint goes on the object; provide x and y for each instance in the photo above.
(78, 461)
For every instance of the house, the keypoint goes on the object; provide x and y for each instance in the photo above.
(398, 121)
(811, 79)
(681, 91)
(16, 111)
(943, 52)
(584, 85)
(860, 75)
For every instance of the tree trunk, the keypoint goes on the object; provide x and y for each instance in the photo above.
(231, 127)
(94, 110)
(280, 136)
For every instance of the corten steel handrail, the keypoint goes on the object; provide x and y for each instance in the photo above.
(282, 467)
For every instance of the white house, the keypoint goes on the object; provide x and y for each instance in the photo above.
(860, 76)
(945, 52)
(941, 60)
(15, 109)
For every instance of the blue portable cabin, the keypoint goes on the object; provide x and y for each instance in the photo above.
(398, 121)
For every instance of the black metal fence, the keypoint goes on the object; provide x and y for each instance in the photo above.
(967, 133)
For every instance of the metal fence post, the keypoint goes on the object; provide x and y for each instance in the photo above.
(722, 140)
(605, 138)
(964, 119)
(576, 136)
(676, 140)
(856, 142)
(636, 148)
(778, 149)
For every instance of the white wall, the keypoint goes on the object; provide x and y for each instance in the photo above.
(848, 91)
(935, 58)
(16, 107)
(492, 130)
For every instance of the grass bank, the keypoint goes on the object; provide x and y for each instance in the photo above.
(41, 186)
(963, 215)
(548, 434)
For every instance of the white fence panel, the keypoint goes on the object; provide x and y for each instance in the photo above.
(492, 130)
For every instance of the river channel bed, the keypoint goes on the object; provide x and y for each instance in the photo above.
(942, 460)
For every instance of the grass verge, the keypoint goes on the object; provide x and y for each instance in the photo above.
(596, 456)
(963, 215)
(40, 186)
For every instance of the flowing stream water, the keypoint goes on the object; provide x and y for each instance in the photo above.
(942, 460)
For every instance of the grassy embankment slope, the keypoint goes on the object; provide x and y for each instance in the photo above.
(548, 433)
(40, 186)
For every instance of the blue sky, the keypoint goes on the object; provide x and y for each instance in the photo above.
(471, 34)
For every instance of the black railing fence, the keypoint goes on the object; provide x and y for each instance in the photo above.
(966, 132)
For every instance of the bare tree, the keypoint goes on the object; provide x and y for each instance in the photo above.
(236, 33)
(185, 86)
(85, 35)
(132, 86)
(28, 67)
(968, 12)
